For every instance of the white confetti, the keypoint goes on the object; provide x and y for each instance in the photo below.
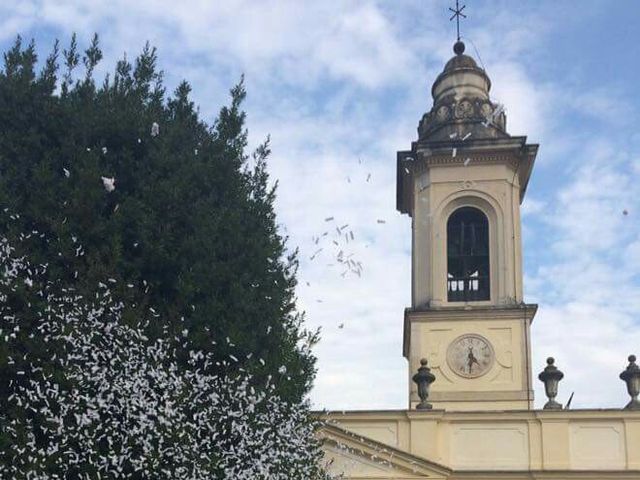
(109, 183)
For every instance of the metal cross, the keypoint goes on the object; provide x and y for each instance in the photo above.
(457, 13)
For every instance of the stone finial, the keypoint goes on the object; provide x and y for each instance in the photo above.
(551, 377)
(423, 379)
(631, 376)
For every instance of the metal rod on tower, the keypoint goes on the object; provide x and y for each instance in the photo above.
(457, 13)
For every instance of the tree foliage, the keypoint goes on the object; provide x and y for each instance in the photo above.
(189, 229)
(103, 400)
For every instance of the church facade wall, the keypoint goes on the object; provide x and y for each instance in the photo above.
(585, 441)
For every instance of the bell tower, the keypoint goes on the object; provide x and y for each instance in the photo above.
(462, 183)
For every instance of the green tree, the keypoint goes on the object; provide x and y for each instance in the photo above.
(106, 401)
(189, 231)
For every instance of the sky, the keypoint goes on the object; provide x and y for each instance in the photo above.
(340, 85)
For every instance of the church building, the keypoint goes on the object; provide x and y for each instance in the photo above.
(467, 333)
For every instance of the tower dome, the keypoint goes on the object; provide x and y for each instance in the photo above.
(461, 103)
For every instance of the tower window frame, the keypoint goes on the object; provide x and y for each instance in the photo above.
(468, 256)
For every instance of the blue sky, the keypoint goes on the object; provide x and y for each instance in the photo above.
(340, 85)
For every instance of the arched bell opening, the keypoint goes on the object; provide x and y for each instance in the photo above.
(468, 262)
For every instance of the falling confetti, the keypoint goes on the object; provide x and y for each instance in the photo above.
(109, 183)
(381, 221)
(141, 386)
(155, 129)
(466, 162)
(454, 152)
(466, 136)
(328, 219)
(67, 173)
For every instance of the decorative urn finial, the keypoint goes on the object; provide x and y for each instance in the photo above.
(551, 376)
(424, 378)
(631, 376)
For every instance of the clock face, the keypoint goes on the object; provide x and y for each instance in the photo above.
(470, 356)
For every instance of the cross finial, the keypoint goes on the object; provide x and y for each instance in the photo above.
(457, 13)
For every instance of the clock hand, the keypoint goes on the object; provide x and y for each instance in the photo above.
(471, 359)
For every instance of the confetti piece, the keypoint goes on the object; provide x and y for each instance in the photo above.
(625, 212)
(466, 162)
(368, 177)
(104, 150)
(453, 135)
(67, 173)
(351, 234)
(109, 183)
(343, 227)
(406, 170)
(466, 136)
(155, 129)
(341, 326)
(381, 221)
(328, 219)
(454, 152)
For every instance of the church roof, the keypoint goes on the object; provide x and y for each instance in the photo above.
(461, 101)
